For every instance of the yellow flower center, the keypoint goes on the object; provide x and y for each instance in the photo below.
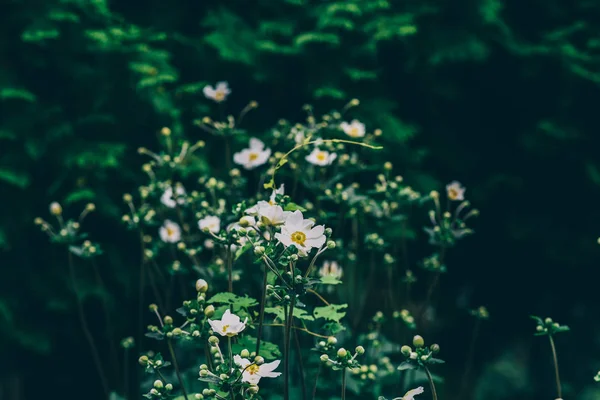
(219, 95)
(252, 156)
(452, 194)
(298, 237)
(253, 369)
(321, 156)
(170, 231)
(354, 132)
(225, 327)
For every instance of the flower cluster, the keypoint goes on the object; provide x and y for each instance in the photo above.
(547, 326)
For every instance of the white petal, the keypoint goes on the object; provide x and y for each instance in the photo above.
(266, 370)
(316, 242)
(284, 239)
(256, 144)
(316, 232)
(216, 326)
(250, 378)
(242, 362)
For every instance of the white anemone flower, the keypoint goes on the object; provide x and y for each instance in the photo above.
(167, 197)
(210, 223)
(254, 210)
(170, 232)
(229, 325)
(331, 268)
(411, 394)
(355, 129)
(219, 93)
(299, 232)
(252, 372)
(321, 157)
(455, 191)
(272, 215)
(254, 156)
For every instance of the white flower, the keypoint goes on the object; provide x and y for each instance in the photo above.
(209, 244)
(167, 196)
(321, 157)
(210, 223)
(355, 129)
(252, 372)
(412, 393)
(219, 93)
(455, 191)
(170, 232)
(272, 215)
(255, 210)
(331, 268)
(299, 232)
(229, 325)
(299, 136)
(254, 156)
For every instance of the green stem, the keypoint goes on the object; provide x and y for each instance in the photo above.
(344, 384)
(558, 386)
(176, 366)
(431, 384)
(230, 268)
(84, 326)
(261, 317)
(287, 337)
(230, 365)
(314, 393)
(126, 372)
(300, 363)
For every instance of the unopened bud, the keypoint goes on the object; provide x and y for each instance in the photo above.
(413, 355)
(165, 131)
(55, 208)
(324, 358)
(435, 348)
(245, 353)
(342, 353)
(169, 387)
(246, 221)
(143, 360)
(213, 340)
(360, 350)
(168, 320)
(406, 350)
(158, 384)
(209, 311)
(201, 286)
(253, 389)
(330, 244)
(418, 341)
(258, 360)
(331, 340)
(259, 250)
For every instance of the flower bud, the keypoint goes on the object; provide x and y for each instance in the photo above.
(201, 286)
(158, 384)
(203, 373)
(539, 328)
(324, 358)
(169, 387)
(330, 244)
(246, 221)
(418, 341)
(548, 321)
(388, 165)
(168, 320)
(209, 311)
(435, 348)
(413, 355)
(165, 131)
(245, 353)
(143, 360)
(223, 376)
(406, 350)
(259, 250)
(198, 396)
(360, 350)
(154, 392)
(331, 340)
(253, 389)
(55, 208)
(213, 340)
(342, 353)
(153, 307)
(258, 360)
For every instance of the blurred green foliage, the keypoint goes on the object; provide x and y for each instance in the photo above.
(499, 94)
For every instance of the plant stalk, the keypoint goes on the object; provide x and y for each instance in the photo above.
(344, 384)
(261, 317)
(431, 384)
(176, 366)
(558, 385)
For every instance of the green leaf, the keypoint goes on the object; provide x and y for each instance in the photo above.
(330, 280)
(406, 365)
(232, 299)
(331, 312)
(298, 313)
(242, 250)
(19, 179)
(293, 207)
(80, 195)
(435, 361)
(268, 350)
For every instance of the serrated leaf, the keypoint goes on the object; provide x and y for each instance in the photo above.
(298, 313)
(268, 350)
(331, 312)
(232, 299)
(330, 280)
(242, 250)
(293, 207)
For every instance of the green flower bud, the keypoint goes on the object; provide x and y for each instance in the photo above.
(154, 392)
(253, 389)
(177, 331)
(259, 250)
(331, 340)
(223, 376)
(360, 350)
(418, 341)
(158, 384)
(413, 355)
(213, 340)
(153, 307)
(143, 360)
(330, 244)
(209, 311)
(435, 348)
(206, 392)
(258, 360)
(328, 232)
(198, 396)
(406, 350)
(539, 328)
(168, 320)
(245, 353)
(169, 387)
(324, 358)
(548, 321)
(342, 353)
(203, 373)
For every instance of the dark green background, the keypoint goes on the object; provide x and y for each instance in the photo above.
(502, 96)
